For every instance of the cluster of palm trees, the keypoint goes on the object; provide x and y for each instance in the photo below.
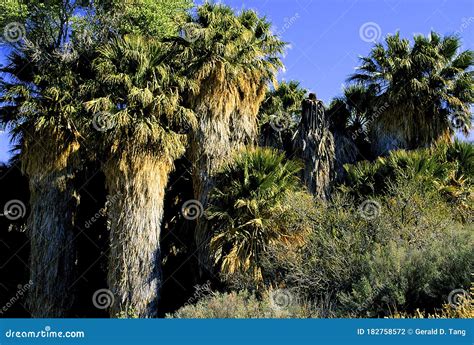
(429, 82)
(158, 96)
(109, 86)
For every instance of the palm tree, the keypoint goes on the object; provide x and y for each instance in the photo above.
(39, 101)
(349, 119)
(40, 105)
(244, 208)
(279, 115)
(232, 57)
(314, 144)
(428, 87)
(138, 102)
(446, 168)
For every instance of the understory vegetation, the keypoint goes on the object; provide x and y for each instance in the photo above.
(401, 248)
(160, 169)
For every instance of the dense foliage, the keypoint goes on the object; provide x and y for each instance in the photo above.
(141, 108)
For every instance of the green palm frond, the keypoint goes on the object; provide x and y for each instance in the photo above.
(251, 190)
(425, 84)
(139, 88)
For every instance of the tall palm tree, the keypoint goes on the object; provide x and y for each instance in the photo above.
(279, 115)
(233, 58)
(427, 85)
(39, 102)
(314, 144)
(137, 100)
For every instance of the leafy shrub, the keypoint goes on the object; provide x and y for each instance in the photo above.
(239, 305)
(446, 168)
(406, 253)
(464, 310)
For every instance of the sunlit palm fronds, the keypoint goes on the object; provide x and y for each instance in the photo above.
(427, 86)
(249, 196)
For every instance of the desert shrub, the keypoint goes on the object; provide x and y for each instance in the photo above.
(464, 309)
(399, 251)
(445, 168)
(241, 304)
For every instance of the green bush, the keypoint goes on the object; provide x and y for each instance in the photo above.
(399, 251)
(240, 305)
(445, 168)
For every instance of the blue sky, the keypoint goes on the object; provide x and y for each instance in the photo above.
(327, 36)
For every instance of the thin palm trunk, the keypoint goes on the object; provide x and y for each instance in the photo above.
(345, 152)
(210, 148)
(53, 201)
(137, 183)
(315, 145)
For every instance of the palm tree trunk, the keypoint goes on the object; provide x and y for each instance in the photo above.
(227, 120)
(53, 204)
(210, 148)
(136, 182)
(53, 201)
(315, 145)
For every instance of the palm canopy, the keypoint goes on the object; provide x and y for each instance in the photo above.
(236, 53)
(137, 97)
(427, 85)
(353, 111)
(40, 102)
(283, 104)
